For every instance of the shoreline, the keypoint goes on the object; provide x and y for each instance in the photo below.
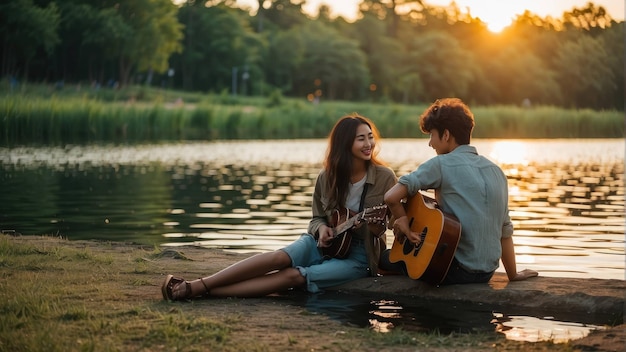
(102, 283)
(572, 295)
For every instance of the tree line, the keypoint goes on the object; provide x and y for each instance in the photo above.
(403, 51)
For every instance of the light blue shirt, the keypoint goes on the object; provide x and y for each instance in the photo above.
(475, 190)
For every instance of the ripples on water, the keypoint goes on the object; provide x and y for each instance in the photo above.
(566, 196)
(566, 202)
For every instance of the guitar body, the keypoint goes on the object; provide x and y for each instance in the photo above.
(440, 233)
(340, 246)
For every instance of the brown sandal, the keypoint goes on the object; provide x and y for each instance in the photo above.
(171, 289)
(206, 288)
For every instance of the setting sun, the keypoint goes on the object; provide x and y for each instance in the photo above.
(496, 14)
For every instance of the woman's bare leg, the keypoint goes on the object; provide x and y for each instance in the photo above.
(261, 285)
(256, 266)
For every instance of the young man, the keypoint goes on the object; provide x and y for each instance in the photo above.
(466, 185)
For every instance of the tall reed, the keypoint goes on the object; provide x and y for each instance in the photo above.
(77, 120)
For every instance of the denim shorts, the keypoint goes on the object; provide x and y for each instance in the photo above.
(323, 272)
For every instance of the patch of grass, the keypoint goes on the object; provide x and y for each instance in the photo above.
(76, 314)
(168, 253)
(65, 305)
(479, 341)
(9, 248)
(180, 331)
(141, 268)
(86, 299)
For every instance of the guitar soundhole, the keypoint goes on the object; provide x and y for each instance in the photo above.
(407, 246)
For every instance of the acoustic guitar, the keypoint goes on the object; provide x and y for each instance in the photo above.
(430, 259)
(344, 220)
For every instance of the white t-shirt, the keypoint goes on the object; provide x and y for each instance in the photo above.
(355, 191)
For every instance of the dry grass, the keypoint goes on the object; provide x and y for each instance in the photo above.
(57, 295)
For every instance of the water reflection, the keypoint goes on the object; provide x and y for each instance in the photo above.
(532, 329)
(566, 196)
(509, 152)
(420, 315)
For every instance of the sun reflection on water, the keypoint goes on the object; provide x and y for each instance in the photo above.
(509, 152)
(386, 315)
(531, 329)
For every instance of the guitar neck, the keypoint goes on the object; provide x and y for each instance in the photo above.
(348, 224)
(368, 214)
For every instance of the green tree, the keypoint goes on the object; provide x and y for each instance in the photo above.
(331, 63)
(612, 40)
(285, 14)
(389, 11)
(88, 34)
(26, 28)
(260, 14)
(444, 68)
(584, 68)
(155, 36)
(529, 32)
(518, 74)
(285, 54)
(590, 18)
(128, 37)
(218, 41)
(383, 54)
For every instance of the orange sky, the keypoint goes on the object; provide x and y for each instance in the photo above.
(496, 13)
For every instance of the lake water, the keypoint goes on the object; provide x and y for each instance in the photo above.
(566, 196)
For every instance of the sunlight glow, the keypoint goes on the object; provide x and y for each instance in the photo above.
(525, 258)
(496, 14)
(509, 152)
(496, 25)
(514, 190)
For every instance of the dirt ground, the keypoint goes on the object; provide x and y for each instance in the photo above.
(283, 325)
(600, 296)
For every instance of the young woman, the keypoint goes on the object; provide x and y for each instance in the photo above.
(352, 178)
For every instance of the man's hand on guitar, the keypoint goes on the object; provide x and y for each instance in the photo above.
(401, 229)
(326, 235)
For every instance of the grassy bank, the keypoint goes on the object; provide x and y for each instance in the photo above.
(58, 295)
(139, 115)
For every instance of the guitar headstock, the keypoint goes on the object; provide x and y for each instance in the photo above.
(376, 213)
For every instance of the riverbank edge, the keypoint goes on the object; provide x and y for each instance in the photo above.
(591, 296)
(586, 296)
(583, 297)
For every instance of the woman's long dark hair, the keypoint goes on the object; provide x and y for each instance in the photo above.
(338, 162)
